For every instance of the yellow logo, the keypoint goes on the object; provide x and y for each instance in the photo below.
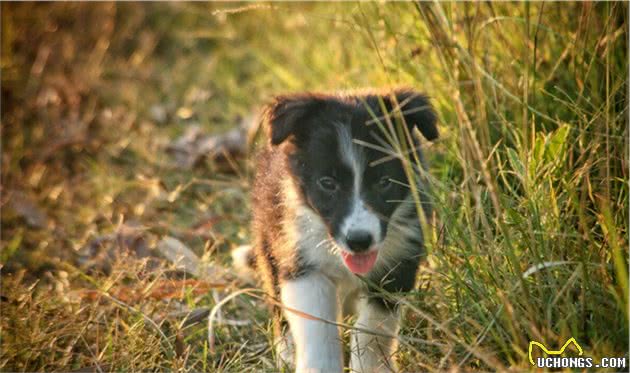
(553, 352)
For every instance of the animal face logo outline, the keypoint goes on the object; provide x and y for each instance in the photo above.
(553, 352)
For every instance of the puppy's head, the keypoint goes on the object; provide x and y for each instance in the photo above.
(339, 154)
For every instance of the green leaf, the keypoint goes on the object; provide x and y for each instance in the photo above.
(516, 163)
(555, 143)
(11, 247)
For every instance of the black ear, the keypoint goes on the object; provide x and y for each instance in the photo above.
(287, 115)
(417, 111)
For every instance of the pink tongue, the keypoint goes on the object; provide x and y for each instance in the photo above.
(359, 263)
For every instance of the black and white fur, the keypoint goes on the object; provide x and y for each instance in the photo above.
(321, 190)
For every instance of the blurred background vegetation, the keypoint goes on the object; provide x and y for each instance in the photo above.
(126, 133)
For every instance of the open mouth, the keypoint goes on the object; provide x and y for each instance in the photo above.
(360, 263)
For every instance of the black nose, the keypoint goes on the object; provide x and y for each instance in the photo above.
(359, 241)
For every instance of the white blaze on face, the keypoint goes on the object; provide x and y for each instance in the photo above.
(359, 218)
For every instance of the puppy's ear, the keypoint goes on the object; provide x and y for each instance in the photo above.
(417, 111)
(288, 115)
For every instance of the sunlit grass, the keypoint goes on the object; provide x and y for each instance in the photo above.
(528, 179)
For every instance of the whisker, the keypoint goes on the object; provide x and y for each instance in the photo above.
(320, 243)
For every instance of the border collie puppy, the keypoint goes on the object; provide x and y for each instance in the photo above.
(334, 220)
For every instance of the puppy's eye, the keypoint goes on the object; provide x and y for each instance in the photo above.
(384, 183)
(328, 184)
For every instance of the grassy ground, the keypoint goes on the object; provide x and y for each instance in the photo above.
(529, 176)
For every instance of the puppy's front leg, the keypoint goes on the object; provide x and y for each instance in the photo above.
(373, 353)
(317, 344)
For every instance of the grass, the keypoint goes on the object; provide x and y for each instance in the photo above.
(529, 178)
